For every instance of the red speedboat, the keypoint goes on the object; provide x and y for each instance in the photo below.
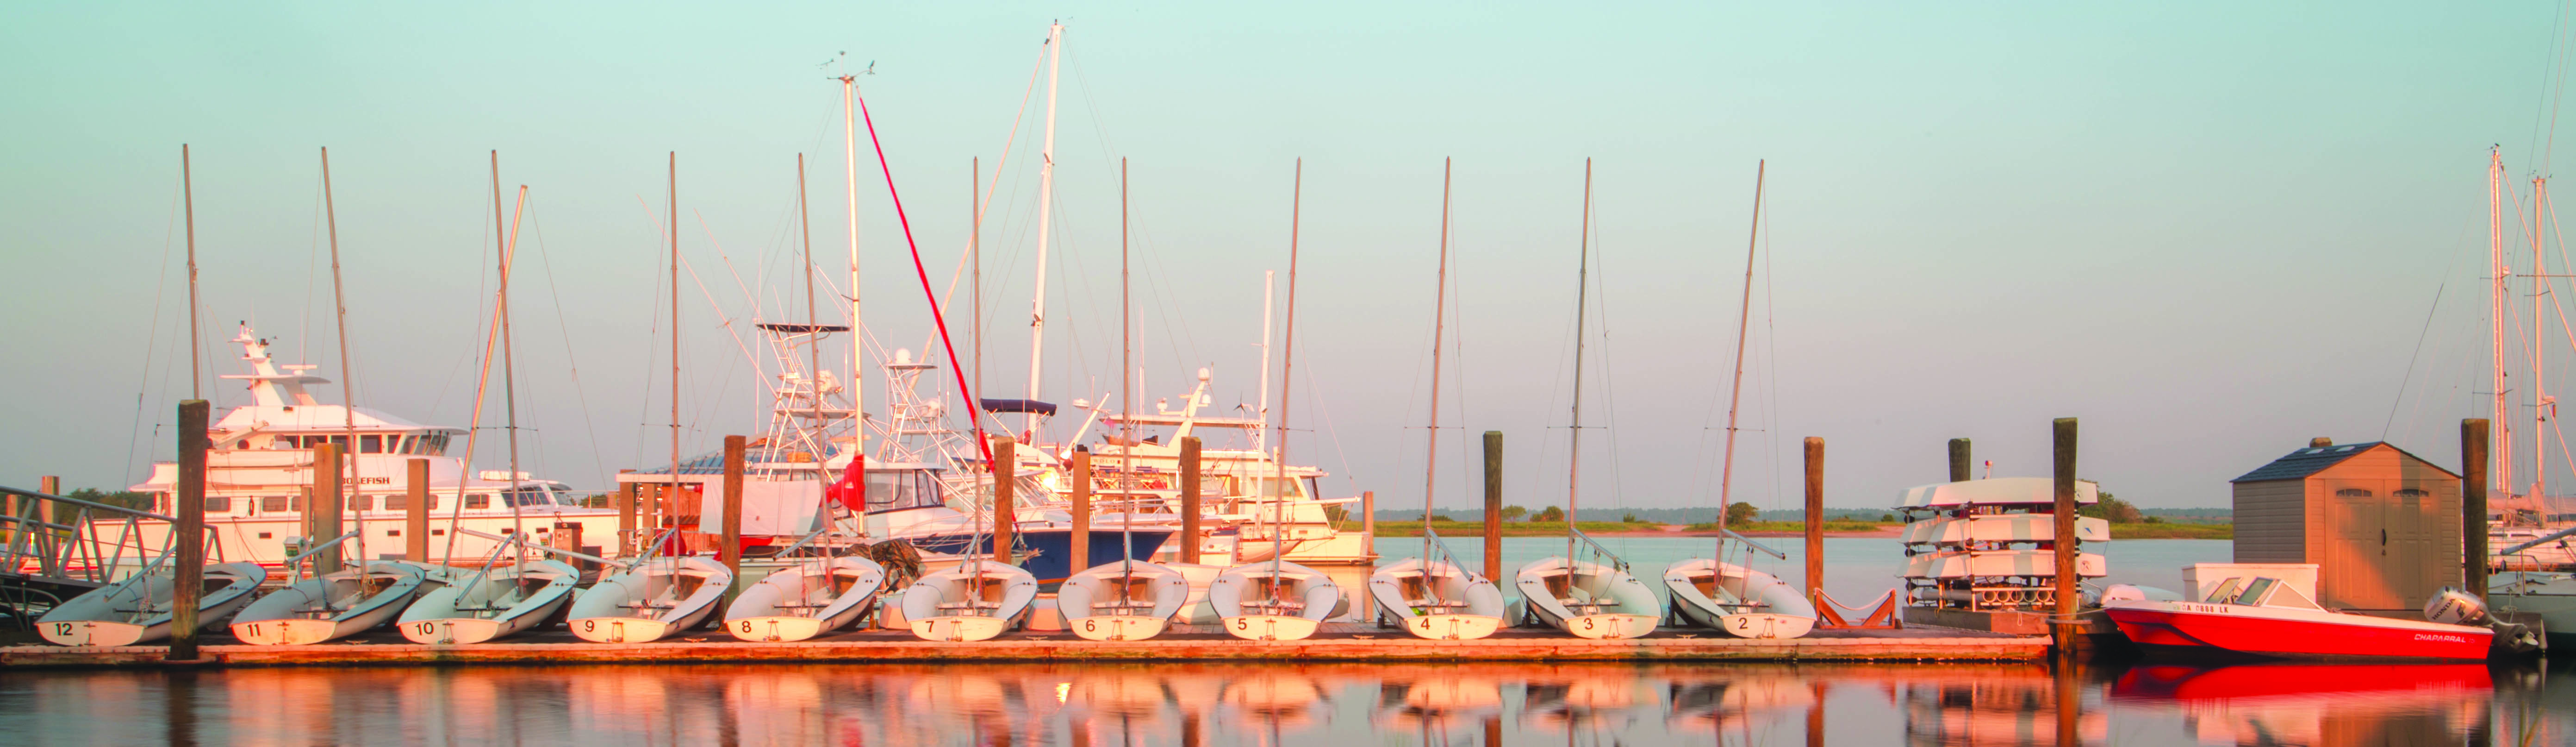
(2268, 618)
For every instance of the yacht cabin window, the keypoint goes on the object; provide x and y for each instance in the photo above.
(371, 444)
(272, 504)
(908, 488)
(478, 500)
(219, 504)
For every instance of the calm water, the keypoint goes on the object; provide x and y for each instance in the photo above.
(1339, 705)
(1335, 705)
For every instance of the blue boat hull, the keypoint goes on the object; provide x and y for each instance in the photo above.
(1047, 553)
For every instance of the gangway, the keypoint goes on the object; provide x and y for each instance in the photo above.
(51, 549)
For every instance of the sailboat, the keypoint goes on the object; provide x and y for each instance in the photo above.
(1123, 600)
(495, 602)
(1711, 592)
(807, 599)
(138, 609)
(654, 597)
(331, 605)
(1276, 600)
(2549, 593)
(1432, 595)
(1587, 599)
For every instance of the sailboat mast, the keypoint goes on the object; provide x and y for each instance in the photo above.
(674, 183)
(2500, 273)
(1287, 364)
(348, 380)
(509, 370)
(1582, 290)
(1126, 388)
(1743, 322)
(1268, 281)
(2539, 353)
(850, 181)
(1439, 328)
(1046, 201)
(813, 330)
(188, 189)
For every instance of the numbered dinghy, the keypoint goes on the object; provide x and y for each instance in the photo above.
(974, 601)
(1437, 600)
(1590, 600)
(1743, 602)
(806, 600)
(495, 602)
(137, 609)
(335, 605)
(1123, 600)
(651, 601)
(1274, 600)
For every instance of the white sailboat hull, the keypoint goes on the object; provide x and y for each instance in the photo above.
(806, 600)
(1273, 600)
(1587, 600)
(332, 607)
(503, 602)
(1440, 602)
(137, 610)
(652, 601)
(1122, 601)
(975, 601)
(1739, 601)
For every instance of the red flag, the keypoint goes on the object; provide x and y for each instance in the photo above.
(852, 490)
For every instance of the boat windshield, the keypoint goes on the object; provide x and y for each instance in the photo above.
(2225, 593)
(2256, 591)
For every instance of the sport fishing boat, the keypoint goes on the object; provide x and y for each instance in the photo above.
(261, 466)
(2266, 617)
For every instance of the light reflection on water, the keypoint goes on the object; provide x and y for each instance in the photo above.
(1343, 705)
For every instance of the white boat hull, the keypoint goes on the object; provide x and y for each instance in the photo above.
(1736, 600)
(1270, 627)
(806, 600)
(1442, 602)
(1448, 627)
(498, 604)
(1122, 600)
(1116, 627)
(974, 601)
(136, 610)
(656, 599)
(959, 628)
(1588, 600)
(286, 617)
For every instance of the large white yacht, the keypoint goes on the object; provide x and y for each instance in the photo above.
(259, 475)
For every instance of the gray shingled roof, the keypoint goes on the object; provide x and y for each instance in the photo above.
(2311, 460)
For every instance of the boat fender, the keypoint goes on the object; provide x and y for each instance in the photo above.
(2455, 607)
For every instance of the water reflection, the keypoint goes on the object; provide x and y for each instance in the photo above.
(1287, 704)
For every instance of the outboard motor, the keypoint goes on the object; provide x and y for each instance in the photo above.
(2455, 607)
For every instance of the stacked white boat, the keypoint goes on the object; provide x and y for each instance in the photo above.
(1988, 544)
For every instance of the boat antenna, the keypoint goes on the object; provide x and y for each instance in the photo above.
(1582, 288)
(1439, 327)
(1735, 394)
(1287, 363)
(348, 379)
(188, 189)
(1046, 200)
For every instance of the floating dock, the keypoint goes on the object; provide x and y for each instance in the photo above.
(1336, 642)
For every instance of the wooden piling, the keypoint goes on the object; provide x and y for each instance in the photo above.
(324, 507)
(1190, 499)
(1006, 505)
(1081, 550)
(1368, 513)
(1494, 506)
(416, 511)
(1816, 714)
(626, 516)
(1960, 460)
(2473, 505)
(2065, 627)
(48, 510)
(1815, 519)
(729, 549)
(188, 536)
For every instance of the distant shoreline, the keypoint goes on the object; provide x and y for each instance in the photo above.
(1850, 529)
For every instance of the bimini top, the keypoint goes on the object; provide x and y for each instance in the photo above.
(2019, 491)
(1018, 405)
(2298, 465)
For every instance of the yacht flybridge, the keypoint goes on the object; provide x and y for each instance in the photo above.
(259, 475)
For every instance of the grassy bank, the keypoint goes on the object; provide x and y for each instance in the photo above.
(1510, 528)
(2173, 531)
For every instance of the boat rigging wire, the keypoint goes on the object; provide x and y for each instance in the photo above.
(974, 409)
(152, 334)
(564, 325)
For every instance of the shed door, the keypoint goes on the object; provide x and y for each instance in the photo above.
(2411, 558)
(2363, 548)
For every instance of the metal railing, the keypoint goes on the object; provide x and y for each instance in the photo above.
(66, 547)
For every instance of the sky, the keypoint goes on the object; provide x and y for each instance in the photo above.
(2208, 231)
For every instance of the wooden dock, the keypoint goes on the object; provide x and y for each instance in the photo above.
(1337, 642)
